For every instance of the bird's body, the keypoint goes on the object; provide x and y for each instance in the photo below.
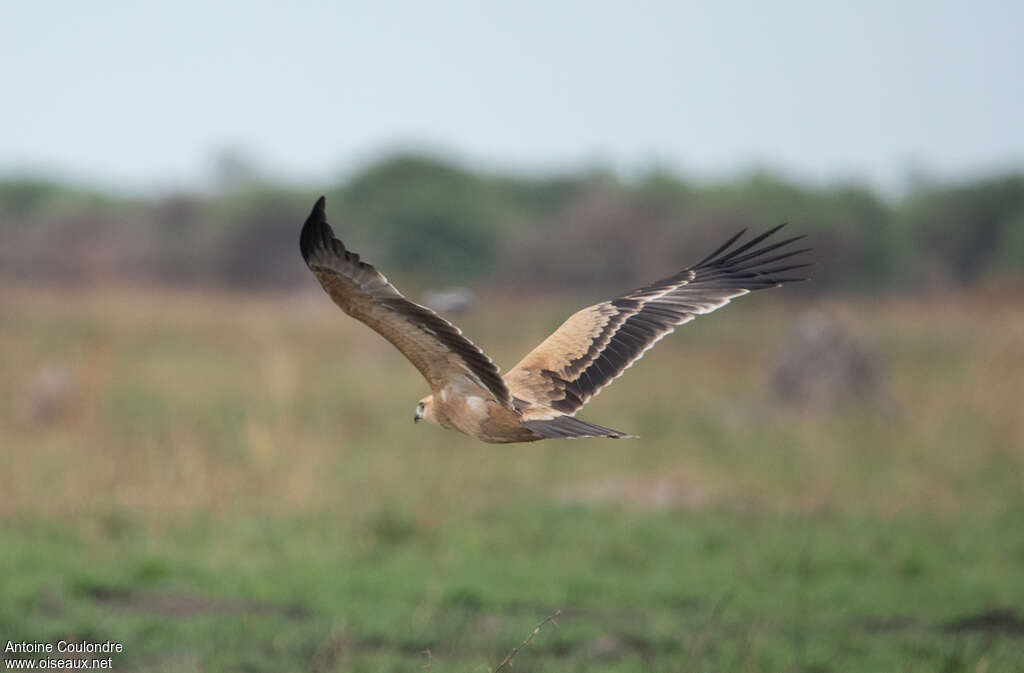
(536, 399)
(475, 413)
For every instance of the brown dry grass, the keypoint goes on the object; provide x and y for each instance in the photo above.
(178, 402)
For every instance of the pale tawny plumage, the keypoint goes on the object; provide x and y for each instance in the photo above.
(537, 398)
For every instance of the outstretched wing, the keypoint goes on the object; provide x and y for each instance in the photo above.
(597, 344)
(432, 344)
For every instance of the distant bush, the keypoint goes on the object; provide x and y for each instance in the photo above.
(427, 218)
(431, 221)
(255, 236)
(966, 231)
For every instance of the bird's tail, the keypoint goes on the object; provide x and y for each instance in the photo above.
(569, 427)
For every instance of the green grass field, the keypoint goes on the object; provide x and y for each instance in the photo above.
(234, 483)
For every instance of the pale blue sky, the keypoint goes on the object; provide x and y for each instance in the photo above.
(139, 95)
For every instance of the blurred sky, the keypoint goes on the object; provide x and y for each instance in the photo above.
(140, 95)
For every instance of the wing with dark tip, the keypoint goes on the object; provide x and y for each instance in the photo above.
(434, 346)
(599, 343)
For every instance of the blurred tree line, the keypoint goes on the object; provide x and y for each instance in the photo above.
(430, 222)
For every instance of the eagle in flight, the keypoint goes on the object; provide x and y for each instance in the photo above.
(537, 399)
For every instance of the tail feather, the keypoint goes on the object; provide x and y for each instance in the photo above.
(569, 427)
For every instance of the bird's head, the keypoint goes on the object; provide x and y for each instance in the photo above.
(425, 411)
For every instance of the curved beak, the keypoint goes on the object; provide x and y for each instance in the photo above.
(416, 416)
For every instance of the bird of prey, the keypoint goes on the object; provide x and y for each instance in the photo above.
(537, 399)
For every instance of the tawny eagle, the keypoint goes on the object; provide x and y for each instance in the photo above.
(538, 397)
